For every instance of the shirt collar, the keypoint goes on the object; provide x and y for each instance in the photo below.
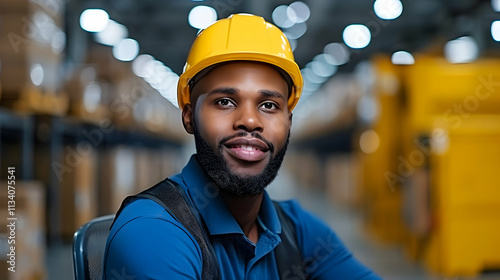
(219, 220)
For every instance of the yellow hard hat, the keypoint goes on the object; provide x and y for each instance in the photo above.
(240, 37)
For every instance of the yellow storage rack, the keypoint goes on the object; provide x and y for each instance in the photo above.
(382, 197)
(440, 200)
(465, 197)
(454, 97)
(439, 90)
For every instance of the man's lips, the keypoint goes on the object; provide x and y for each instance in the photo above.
(247, 148)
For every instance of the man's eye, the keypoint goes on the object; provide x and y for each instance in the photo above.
(224, 102)
(269, 106)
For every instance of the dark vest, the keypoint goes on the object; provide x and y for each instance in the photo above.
(172, 197)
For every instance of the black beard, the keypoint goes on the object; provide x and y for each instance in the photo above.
(217, 168)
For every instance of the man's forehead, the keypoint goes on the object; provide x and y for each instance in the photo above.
(235, 65)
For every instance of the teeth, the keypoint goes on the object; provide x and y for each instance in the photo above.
(248, 148)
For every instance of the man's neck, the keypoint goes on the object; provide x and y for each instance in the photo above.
(245, 211)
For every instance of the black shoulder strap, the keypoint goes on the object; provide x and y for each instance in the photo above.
(172, 197)
(288, 255)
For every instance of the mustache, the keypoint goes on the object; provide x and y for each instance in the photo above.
(246, 134)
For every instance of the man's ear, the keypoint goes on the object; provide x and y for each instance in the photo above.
(187, 119)
(290, 117)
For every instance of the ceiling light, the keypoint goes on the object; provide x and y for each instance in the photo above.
(310, 86)
(94, 20)
(280, 17)
(126, 50)
(36, 74)
(139, 65)
(152, 68)
(293, 43)
(364, 73)
(92, 97)
(356, 36)
(495, 4)
(309, 75)
(58, 41)
(388, 9)
(402, 58)
(296, 31)
(367, 109)
(201, 17)
(170, 93)
(112, 34)
(298, 12)
(461, 50)
(495, 30)
(322, 67)
(337, 53)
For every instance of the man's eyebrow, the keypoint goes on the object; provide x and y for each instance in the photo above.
(264, 92)
(225, 90)
(272, 93)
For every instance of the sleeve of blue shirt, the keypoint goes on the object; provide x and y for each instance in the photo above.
(325, 255)
(130, 254)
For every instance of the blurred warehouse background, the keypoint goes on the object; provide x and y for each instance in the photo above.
(396, 140)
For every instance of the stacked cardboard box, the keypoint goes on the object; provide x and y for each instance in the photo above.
(31, 55)
(30, 247)
(130, 101)
(88, 95)
(147, 167)
(121, 88)
(78, 198)
(341, 184)
(154, 165)
(306, 166)
(118, 178)
(171, 162)
(129, 170)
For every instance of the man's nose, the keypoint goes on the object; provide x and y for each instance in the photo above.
(248, 119)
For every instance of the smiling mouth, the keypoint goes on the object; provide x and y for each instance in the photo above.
(248, 149)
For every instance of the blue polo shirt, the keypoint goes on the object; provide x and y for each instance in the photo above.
(146, 242)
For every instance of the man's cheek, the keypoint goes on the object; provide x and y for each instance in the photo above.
(279, 125)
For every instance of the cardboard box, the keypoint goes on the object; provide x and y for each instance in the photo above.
(341, 183)
(32, 99)
(30, 247)
(118, 178)
(78, 202)
(171, 163)
(144, 169)
(149, 167)
(88, 96)
(35, 34)
(54, 8)
(21, 74)
(30, 55)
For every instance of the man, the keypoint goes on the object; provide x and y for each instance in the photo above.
(239, 87)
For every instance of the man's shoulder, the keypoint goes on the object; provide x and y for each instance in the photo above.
(146, 238)
(142, 211)
(151, 220)
(142, 208)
